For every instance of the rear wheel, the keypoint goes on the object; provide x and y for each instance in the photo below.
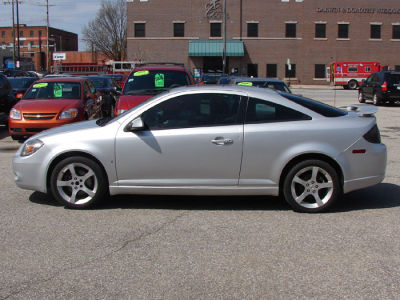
(361, 98)
(375, 100)
(312, 186)
(78, 182)
(353, 84)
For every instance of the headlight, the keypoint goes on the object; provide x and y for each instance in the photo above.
(31, 147)
(120, 111)
(69, 114)
(15, 114)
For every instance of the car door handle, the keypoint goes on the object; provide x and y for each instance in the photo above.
(221, 141)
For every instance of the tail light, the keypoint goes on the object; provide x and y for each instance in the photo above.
(373, 135)
(384, 87)
(19, 95)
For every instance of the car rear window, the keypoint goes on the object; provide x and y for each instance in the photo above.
(392, 78)
(316, 106)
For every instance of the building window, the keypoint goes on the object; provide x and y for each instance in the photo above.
(290, 73)
(40, 33)
(215, 29)
(252, 29)
(252, 70)
(396, 32)
(375, 31)
(290, 30)
(21, 43)
(320, 30)
(319, 71)
(343, 31)
(21, 33)
(140, 29)
(272, 70)
(3, 33)
(397, 68)
(179, 29)
(31, 33)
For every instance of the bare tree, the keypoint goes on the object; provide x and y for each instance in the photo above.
(107, 32)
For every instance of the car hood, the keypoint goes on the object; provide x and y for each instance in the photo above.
(77, 126)
(46, 105)
(128, 101)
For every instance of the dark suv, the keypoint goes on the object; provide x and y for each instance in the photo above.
(380, 87)
(7, 99)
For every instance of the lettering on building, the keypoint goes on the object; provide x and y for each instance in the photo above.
(359, 10)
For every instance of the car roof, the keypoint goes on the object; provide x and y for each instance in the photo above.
(160, 67)
(226, 88)
(254, 79)
(62, 79)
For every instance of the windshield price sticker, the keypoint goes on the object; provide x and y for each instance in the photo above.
(246, 83)
(40, 85)
(141, 73)
(159, 80)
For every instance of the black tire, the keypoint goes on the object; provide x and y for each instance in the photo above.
(375, 100)
(352, 84)
(361, 98)
(314, 183)
(78, 182)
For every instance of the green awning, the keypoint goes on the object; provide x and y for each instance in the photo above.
(214, 48)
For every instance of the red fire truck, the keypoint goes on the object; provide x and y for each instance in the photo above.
(350, 74)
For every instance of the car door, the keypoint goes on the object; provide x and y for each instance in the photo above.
(270, 129)
(370, 85)
(188, 140)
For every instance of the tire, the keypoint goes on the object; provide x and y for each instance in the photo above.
(352, 84)
(361, 98)
(375, 100)
(312, 186)
(78, 182)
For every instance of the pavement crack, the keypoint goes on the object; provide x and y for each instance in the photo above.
(28, 284)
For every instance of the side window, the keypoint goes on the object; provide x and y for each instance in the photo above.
(196, 110)
(92, 88)
(369, 79)
(261, 111)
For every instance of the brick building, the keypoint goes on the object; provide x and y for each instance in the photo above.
(33, 43)
(261, 35)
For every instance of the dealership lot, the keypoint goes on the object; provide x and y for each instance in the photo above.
(204, 247)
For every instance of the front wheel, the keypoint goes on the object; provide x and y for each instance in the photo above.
(78, 182)
(311, 186)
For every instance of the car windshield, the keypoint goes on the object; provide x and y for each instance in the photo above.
(100, 82)
(54, 90)
(152, 82)
(318, 107)
(20, 83)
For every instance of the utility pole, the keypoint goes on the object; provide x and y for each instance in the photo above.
(224, 41)
(18, 48)
(47, 34)
(13, 32)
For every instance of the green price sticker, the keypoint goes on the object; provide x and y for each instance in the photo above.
(58, 92)
(40, 85)
(141, 73)
(246, 83)
(159, 80)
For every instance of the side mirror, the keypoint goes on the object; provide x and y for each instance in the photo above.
(136, 125)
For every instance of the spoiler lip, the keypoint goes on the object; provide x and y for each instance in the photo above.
(360, 109)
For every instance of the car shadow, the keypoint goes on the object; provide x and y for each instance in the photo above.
(381, 196)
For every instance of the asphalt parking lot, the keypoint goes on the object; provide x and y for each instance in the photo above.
(142, 247)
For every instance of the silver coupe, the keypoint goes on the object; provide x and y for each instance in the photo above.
(210, 140)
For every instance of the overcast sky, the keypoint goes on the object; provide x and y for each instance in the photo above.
(69, 15)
